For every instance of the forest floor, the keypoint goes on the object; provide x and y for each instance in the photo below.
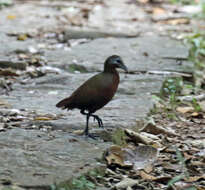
(49, 48)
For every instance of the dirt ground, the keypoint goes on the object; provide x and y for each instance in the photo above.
(49, 48)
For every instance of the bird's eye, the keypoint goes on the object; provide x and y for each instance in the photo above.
(117, 61)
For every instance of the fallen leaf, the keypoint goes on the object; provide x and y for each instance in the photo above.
(126, 182)
(22, 37)
(134, 157)
(146, 176)
(152, 128)
(4, 103)
(11, 17)
(115, 155)
(78, 132)
(200, 188)
(137, 138)
(163, 179)
(195, 178)
(176, 21)
(202, 105)
(198, 142)
(197, 115)
(8, 72)
(158, 11)
(185, 109)
(148, 168)
(43, 118)
(143, 1)
(141, 156)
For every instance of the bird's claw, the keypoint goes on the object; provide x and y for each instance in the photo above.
(100, 123)
(89, 135)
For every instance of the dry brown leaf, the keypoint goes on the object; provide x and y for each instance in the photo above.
(143, 1)
(151, 127)
(141, 156)
(163, 179)
(188, 156)
(115, 156)
(133, 157)
(11, 17)
(195, 178)
(197, 115)
(202, 105)
(137, 138)
(158, 11)
(200, 188)
(157, 145)
(147, 176)
(22, 37)
(4, 103)
(185, 109)
(176, 21)
(78, 132)
(148, 168)
(126, 182)
(43, 118)
(115, 159)
(8, 72)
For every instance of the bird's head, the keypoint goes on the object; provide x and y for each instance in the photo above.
(113, 62)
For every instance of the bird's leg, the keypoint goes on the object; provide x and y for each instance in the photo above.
(86, 131)
(100, 123)
(87, 122)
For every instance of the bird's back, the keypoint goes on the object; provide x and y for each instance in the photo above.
(93, 94)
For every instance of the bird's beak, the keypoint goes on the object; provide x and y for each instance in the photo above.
(122, 66)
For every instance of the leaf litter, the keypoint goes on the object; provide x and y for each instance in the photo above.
(166, 153)
(150, 158)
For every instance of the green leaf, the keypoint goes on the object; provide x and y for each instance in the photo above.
(53, 187)
(175, 179)
(179, 156)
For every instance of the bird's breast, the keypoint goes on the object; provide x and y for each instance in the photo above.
(111, 82)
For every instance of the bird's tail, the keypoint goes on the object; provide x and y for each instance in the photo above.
(65, 103)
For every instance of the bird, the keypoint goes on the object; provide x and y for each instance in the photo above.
(96, 92)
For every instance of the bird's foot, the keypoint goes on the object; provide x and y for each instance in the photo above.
(89, 135)
(100, 123)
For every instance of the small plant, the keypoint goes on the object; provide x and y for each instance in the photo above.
(183, 2)
(5, 3)
(80, 183)
(119, 137)
(196, 106)
(197, 49)
(184, 171)
(171, 86)
(170, 89)
(197, 56)
(84, 182)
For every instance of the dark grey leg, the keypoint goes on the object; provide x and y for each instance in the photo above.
(86, 128)
(86, 131)
(100, 123)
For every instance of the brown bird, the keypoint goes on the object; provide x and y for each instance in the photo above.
(96, 91)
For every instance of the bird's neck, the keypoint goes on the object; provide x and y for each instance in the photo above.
(115, 75)
(110, 70)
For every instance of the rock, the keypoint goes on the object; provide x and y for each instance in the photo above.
(151, 127)
(14, 65)
(137, 137)
(126, 182)
(93, 34)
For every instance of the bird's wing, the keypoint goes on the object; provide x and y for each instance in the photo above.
(95, 92)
